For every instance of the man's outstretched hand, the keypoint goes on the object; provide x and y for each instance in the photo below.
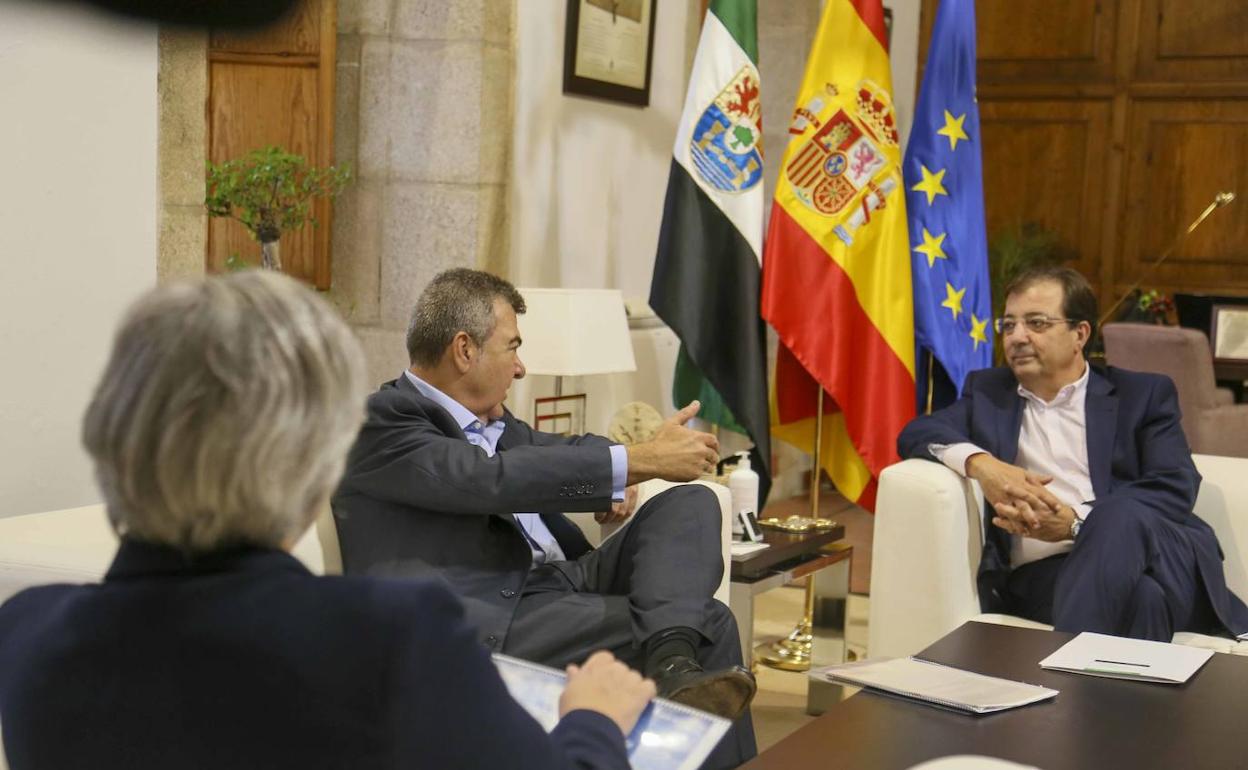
(676, 453)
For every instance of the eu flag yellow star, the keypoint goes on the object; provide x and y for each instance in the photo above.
(953, 300)
(977, 330)
(931, 184)
(953, 129)
(931, 247)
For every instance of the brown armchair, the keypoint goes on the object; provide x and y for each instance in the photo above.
(1213, 423)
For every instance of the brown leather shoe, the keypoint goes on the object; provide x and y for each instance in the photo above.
(726, 693)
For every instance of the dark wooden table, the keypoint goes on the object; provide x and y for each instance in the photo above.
(1093, 722)
(783, 549)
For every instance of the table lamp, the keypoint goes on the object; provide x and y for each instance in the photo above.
(571, 333)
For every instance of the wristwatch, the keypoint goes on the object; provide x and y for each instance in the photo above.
(1076, 524)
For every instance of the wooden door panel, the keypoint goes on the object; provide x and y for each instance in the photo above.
(298, 32)
(1028, 40)
(253, 106)
(275, 86)
(1186, 40)
(1044, 162)
(1180, 154)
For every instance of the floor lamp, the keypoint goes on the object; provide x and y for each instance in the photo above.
(571, 333)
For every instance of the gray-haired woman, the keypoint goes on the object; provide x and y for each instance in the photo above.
(218, 431)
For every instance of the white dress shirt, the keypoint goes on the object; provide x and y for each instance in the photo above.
(1053, 441)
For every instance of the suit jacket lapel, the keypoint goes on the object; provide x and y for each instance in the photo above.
(1101, 415)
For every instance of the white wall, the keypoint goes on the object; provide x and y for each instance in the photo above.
(77, 230)
(589, 175)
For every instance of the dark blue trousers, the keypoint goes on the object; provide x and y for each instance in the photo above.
(1132, 572)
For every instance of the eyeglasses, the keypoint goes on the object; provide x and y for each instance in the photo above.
(1037, 324)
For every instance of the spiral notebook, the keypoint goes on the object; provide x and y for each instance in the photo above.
(937, 685)
(668, 736)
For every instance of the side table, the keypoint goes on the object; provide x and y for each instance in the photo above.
(787, 558)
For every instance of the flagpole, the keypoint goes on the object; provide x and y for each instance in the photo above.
(931, 360)
(792, 653)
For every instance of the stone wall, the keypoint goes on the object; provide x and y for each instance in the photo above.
(182, 138)
(424, 116)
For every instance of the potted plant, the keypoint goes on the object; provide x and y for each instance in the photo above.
(270, 191)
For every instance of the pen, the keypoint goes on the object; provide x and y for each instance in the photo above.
(1121, 663)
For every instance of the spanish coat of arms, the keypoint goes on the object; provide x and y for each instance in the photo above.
(843, 168)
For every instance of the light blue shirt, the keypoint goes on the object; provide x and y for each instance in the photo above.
(541, 542)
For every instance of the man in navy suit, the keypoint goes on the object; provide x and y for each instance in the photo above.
(1089, 478)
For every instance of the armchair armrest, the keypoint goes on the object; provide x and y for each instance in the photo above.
(926, 550)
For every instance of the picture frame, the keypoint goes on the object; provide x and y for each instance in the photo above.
(609, 50)
(1229, 333)
(562, 415)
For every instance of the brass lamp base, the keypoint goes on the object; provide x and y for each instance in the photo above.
(789, 654)
(793, 652)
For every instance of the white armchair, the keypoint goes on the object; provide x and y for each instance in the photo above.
(76, 545)
(929, 535)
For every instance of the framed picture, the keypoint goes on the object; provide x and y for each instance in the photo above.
(608, 49)
(564, 415)
(1230, 332)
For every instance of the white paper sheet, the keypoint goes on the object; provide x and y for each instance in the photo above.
(1117, 657)
(939, 685)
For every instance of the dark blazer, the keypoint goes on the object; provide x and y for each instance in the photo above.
(244, 659)
(1136, 449)
(418, 499)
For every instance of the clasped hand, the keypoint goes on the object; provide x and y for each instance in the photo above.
(1023, 504)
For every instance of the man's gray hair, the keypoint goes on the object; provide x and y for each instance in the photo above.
(225, 412)
(458, 300)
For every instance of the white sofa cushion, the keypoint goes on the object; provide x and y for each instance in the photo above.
(76, 545)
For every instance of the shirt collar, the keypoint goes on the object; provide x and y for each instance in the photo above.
(1064, 396)
(465, 419)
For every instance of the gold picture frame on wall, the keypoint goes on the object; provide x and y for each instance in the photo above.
(609, 49)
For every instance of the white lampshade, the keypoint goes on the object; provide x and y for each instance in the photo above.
(572, 332)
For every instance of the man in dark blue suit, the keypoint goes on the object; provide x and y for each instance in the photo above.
(1089, 478)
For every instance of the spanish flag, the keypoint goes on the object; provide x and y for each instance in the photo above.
(836, 262)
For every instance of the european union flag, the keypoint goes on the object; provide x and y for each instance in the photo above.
(945, 203)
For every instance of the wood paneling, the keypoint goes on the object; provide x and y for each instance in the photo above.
(1185, 40)
(255, 106)
(1018, 40)
(298, 32)
(1114, 123)
(1182, 153)
(276, 87)
(1048, 167)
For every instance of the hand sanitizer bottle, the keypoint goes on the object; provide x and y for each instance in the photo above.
(743, 487)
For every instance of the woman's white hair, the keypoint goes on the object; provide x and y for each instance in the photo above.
(225, 412)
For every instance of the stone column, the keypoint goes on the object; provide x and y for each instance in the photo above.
(424, 116)
(182, 92)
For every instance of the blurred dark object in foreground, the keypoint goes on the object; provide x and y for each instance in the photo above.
(218, 14)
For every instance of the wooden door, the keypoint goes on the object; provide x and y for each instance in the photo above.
(275, 87)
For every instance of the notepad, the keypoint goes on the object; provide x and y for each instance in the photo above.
(668, 736)
(1119, 658)
(937, 684)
